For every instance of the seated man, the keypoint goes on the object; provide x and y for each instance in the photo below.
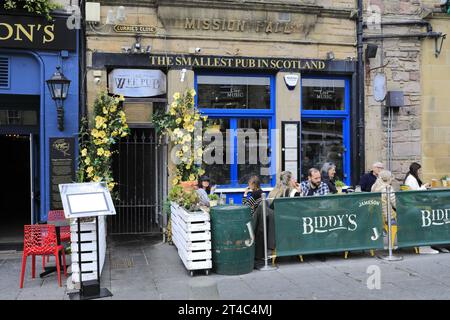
(314, 186)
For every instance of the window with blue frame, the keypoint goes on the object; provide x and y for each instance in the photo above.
(325, 113)
(239, 108)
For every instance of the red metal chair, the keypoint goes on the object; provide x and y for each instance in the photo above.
(64, 234)
(40, 240)
(58, 215)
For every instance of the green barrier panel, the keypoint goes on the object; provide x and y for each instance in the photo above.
(423, 217)
(326, 224)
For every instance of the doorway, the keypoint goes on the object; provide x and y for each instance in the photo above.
(137, 168)
(15, 206)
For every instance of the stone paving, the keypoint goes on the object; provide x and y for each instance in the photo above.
(145, 268)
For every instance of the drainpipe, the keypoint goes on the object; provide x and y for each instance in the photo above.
(82, 61)
(360, 165)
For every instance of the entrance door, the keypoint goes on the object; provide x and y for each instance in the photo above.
(15, 189)
(137, 169)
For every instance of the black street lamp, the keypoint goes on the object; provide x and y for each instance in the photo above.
(58, 86)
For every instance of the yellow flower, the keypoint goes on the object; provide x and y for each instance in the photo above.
(187, 118)
(89, 169)
(124, 134)
(205, 118)
(98, 141)
(101, 134)
(179, 153)
(201, 172)
(87, 161)
(96, 179)
(188, 166)
(178, 121)
(185, 148)
(107, 153)
(105, 111)
(100, 151)
(175, 181)
(113, 109)
(190, 128)
(100, 122)
(172, 112)
(177, 96)
(192, 92)
(111, 186)
(84, 152)
(114, 133)
(191, 177)
(94, 133)
(121, 98)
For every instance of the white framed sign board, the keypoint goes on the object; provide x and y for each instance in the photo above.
(89, 199)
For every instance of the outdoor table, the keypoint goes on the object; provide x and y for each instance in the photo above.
(58, 225)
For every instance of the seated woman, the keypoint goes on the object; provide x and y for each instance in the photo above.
(329, 176)
(284, 188)
(383, 184)
(253, 193)
(203, 190)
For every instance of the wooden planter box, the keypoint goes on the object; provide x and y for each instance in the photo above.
(191, 234)
(88, 249)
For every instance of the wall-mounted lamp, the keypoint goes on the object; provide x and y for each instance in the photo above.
(330, 55)
(183, 74)
(119, 16)
(58, 86)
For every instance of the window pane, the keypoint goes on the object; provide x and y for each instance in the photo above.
(323, 94)
(322, 141)
(253, 150)
(216, 166)
(233, 92)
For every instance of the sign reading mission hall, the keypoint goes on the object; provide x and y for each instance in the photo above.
(235, 62)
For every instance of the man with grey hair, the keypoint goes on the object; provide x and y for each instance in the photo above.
(367, 180)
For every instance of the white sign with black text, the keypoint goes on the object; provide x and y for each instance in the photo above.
(137, 83)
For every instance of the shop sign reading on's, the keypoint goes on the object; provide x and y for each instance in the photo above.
(137, 82)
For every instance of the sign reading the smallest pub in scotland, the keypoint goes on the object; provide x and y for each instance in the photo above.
(192, 61)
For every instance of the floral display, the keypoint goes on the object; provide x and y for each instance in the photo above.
(185, 126)
(96, 144)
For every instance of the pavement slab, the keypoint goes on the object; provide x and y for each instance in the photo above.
(144, 268)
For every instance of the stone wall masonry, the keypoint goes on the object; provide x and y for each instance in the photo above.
(403, 72)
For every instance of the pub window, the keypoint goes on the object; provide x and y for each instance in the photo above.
(233, 92)
(325, 131)
(223, 98)
(323, 94)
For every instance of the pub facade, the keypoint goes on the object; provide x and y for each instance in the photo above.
(38, 144)
(284, 68)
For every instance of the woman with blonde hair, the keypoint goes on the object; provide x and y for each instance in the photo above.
(383, 184)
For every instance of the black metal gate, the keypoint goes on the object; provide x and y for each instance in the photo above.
(138, 170)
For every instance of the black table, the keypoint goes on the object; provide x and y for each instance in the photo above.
(58, 225)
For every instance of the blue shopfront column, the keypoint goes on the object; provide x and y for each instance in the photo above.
(30, 63)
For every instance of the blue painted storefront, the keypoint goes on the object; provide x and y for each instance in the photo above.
(29, 69)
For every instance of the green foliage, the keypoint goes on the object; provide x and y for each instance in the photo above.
(96, 144)
(444, 177)
(339, 184)
(213, 196)
(39, 7)
(181, 124)
(188, 199)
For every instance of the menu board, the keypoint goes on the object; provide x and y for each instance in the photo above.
(62, 167)
(291, 147)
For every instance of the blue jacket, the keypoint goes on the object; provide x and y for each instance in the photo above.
(367, 180)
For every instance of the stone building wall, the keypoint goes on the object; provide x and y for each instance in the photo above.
(401, 59)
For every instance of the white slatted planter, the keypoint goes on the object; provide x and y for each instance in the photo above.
(88, 249)
(191, 234)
